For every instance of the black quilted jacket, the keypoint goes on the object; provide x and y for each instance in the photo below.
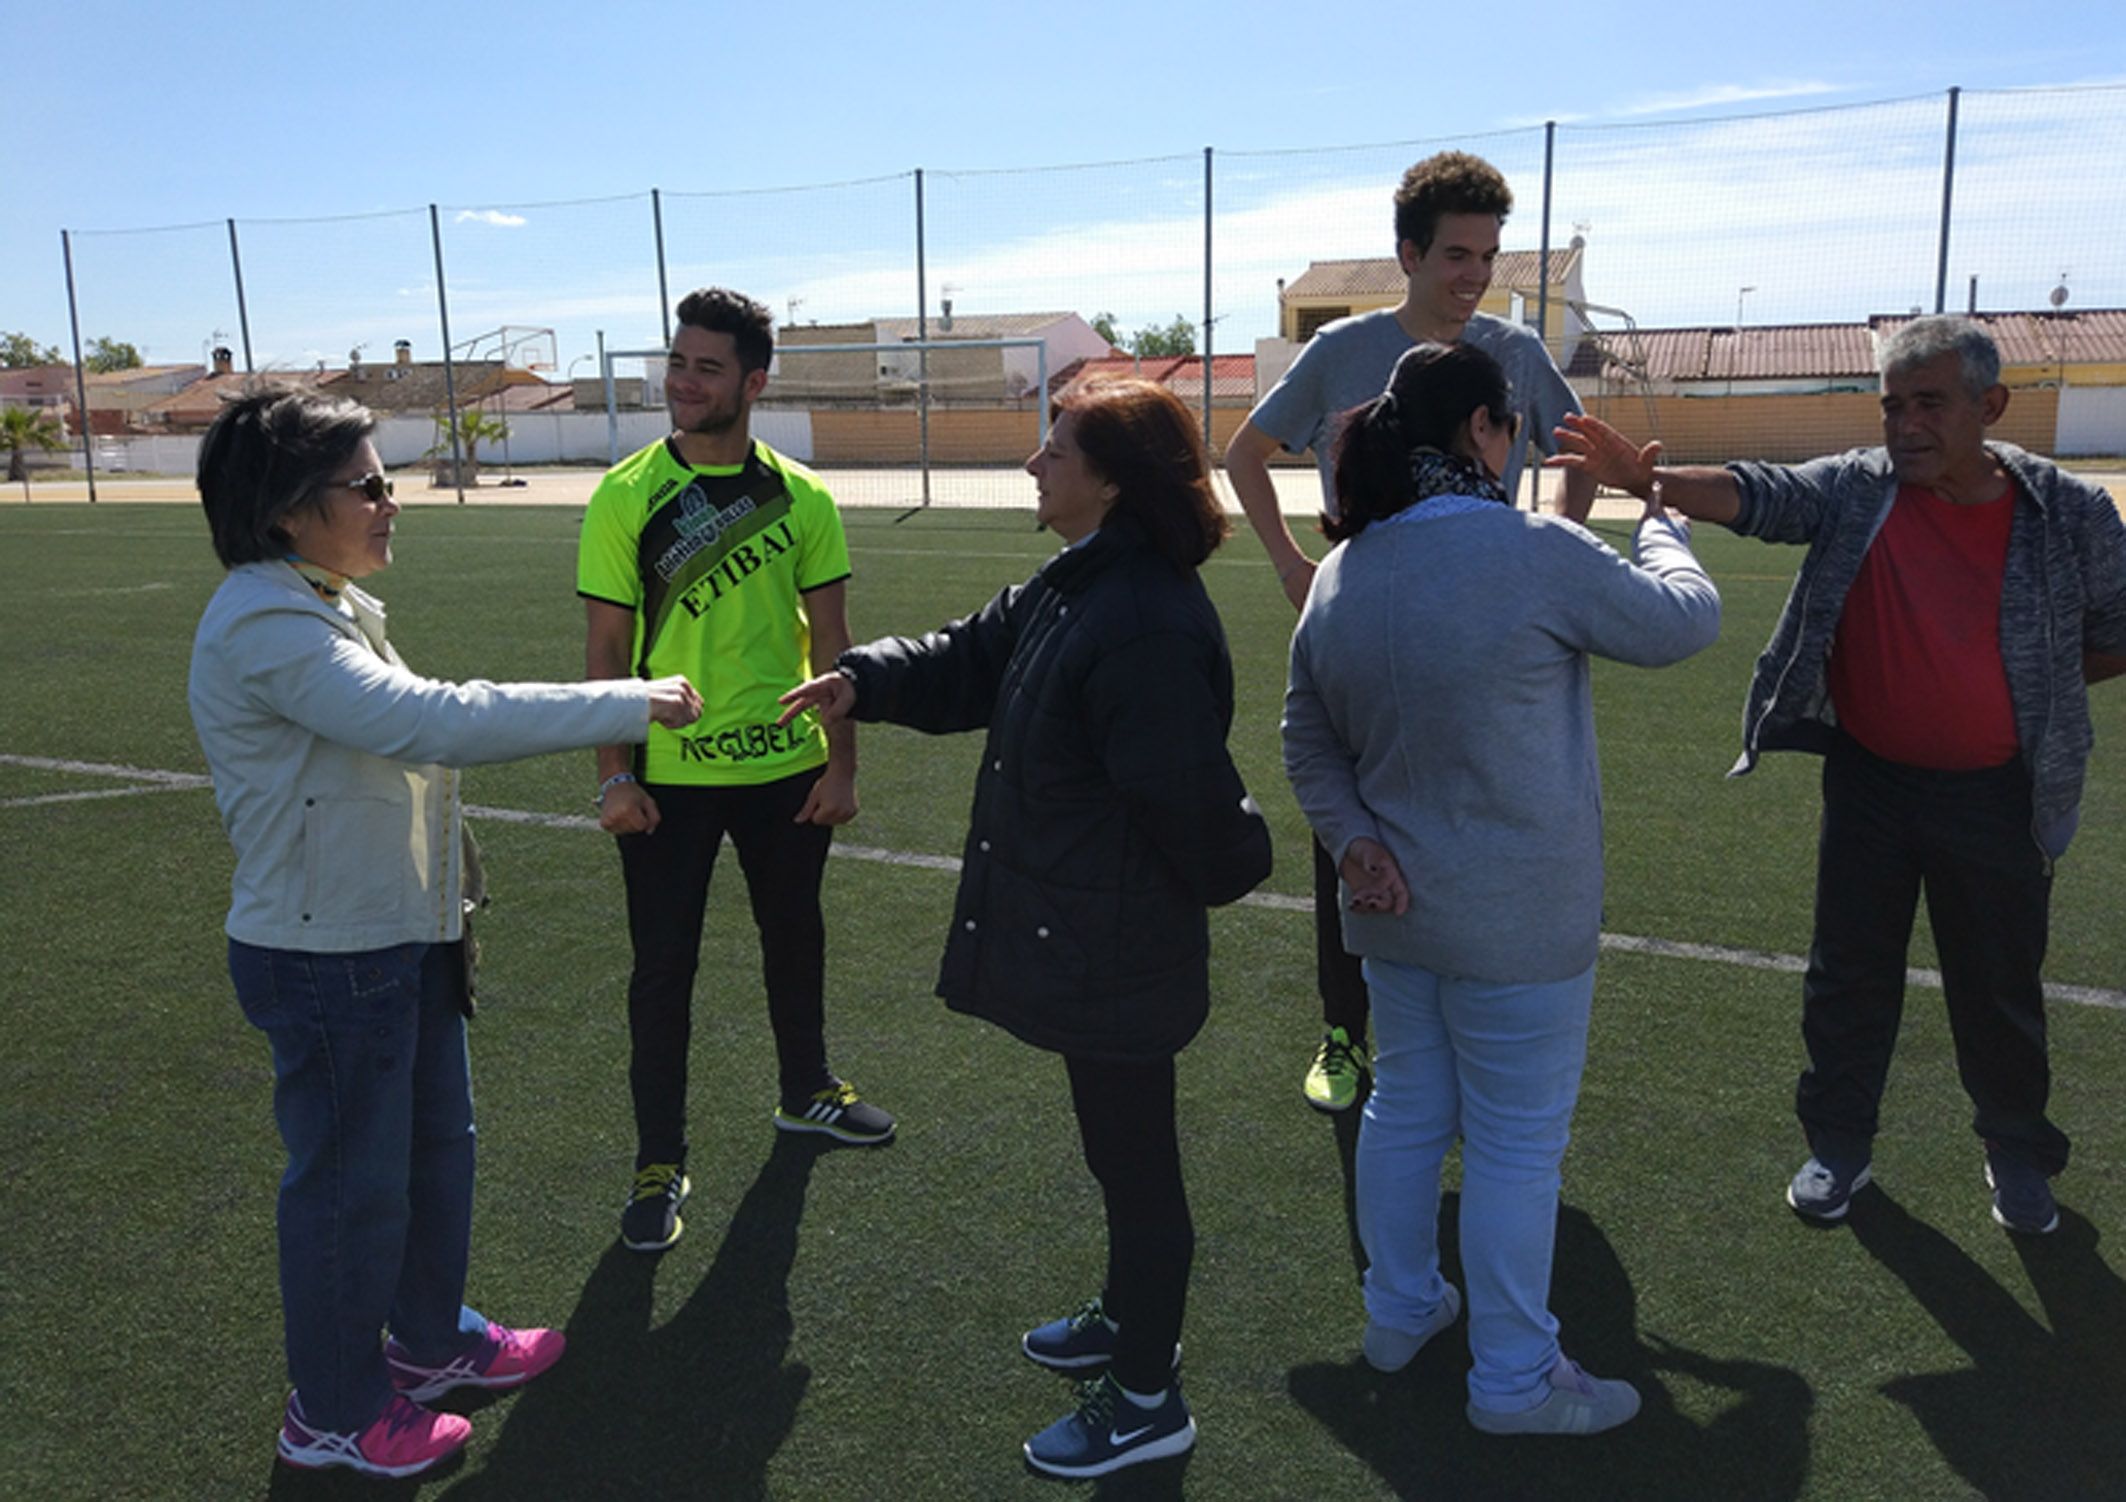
(1107, 815)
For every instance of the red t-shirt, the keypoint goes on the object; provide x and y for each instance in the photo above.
(1916, 673)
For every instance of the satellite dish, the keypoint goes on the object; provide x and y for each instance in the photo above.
(2059, 297)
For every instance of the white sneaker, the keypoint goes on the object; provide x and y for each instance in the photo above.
(1576, 1404)
(1390, 1350)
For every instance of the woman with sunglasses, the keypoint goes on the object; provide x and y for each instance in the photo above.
(334, 771)
(1439, 722)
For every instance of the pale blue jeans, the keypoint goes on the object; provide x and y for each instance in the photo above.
(1499, 1065)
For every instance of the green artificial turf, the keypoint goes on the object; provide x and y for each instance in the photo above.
(843, 1323)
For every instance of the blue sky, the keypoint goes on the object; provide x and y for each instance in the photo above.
(130, 116)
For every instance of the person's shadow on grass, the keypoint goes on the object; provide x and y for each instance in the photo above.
(697, 1407)
(2035, 1414)
(1410, 1428)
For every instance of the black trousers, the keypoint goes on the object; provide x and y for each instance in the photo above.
(1126, 1121)
(1890, 833)
(667, 876)
(1337, 971)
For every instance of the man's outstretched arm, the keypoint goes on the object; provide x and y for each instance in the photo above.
(1247, 465)
(1590, 447)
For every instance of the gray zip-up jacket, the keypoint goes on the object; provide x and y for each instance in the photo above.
(2064, 591)
(333, 763)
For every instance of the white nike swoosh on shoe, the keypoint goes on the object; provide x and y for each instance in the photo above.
(1122, 1439)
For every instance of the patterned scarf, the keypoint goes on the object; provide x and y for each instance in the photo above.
(323, 580)
(1433, 473)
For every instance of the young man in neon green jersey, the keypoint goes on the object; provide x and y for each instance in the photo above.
(709, 554)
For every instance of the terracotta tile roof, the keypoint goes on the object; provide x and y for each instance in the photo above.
(1381, 276)
(416, 387)
(2095, 336)
(1835, 351)
(1232, 376)
(139, 373)
(554, 396)
(197, 404)
(1763, 352)
(36, 381)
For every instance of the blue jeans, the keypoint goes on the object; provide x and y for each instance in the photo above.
(372, 1091)
(1500, 1065)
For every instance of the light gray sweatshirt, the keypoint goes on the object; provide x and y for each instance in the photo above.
(1440, 703)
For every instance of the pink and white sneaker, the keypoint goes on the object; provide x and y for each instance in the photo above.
(405, 1440)
(507, 1358)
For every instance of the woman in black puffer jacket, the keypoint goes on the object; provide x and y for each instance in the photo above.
(1107, 818)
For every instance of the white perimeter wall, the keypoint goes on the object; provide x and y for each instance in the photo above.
(2092, 420)
(534, 438)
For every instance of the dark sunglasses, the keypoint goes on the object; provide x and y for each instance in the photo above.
(373, 485)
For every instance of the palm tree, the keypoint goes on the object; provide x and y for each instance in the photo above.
(474, 428)
(22, 429)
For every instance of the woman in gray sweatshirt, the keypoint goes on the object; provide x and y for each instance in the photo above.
(1439, 722)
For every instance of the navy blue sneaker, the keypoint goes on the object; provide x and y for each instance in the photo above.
(2022, 1196)
(1073, 1343)
(1078, 1342)
(1822, 1192)
(1106, 1432)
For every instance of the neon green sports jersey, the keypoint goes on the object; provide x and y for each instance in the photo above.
(715, 563)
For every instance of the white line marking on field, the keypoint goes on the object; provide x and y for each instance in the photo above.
(114, 589)
(1673, 949)
(109, 769)
(93, 794)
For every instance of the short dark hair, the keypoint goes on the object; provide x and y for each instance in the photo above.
(268, 453)
(722, 311)
(1451, 182)
(1435, 389)
(1138, 437)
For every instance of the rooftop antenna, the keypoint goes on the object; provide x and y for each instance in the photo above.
(945, 305)
(792, 304)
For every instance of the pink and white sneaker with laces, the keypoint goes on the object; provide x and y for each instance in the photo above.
(405, 1440)
(506, 1358)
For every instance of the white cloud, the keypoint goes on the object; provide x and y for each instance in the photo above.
(489, 216)
(1830, 213)
(1723, 93)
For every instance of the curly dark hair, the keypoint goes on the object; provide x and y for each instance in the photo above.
(1452, 182)
(722, 311)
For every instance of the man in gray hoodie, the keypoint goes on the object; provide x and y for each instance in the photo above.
(1933, 651)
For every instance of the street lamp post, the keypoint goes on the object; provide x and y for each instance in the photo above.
(1735, 356)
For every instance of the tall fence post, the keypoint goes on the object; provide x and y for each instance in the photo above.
(1207, 299)
(81, 383)
(243, 310)
(922, 350)
(1948, 190)
(664, 292)
(1542, 305)
(612, 408)
(450, 376)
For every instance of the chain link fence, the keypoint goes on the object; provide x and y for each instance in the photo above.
(1717, 284)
